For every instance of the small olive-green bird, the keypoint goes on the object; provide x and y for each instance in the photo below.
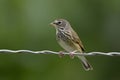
(69, 40)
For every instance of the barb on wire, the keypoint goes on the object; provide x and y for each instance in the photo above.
(53, 52)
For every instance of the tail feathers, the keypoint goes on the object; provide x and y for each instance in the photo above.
(85, 63)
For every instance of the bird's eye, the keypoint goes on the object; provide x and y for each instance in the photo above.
(58, 23)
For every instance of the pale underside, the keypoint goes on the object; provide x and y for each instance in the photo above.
(65, 46)
(68, 44)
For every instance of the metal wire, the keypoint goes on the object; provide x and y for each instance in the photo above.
(2, 51)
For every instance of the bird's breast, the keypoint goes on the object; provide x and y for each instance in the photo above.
(66, 46)
(65, 42)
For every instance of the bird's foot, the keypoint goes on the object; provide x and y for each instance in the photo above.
(61, 54)
(72, 55)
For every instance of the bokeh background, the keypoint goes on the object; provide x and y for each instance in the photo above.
(24, 24)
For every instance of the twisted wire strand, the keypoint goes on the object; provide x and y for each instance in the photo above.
(7, 51)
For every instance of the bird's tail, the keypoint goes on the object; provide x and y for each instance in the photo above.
(85, 63)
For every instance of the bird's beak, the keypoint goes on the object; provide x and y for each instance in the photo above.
(52, 24)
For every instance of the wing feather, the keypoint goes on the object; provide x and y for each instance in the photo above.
(76, 39)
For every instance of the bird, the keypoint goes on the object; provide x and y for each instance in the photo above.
(69, 40)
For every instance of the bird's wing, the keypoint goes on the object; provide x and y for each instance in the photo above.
(77, 42)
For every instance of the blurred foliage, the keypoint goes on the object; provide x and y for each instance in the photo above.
(24, 24)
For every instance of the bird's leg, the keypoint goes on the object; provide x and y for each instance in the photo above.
(61, 54)
(72, 55)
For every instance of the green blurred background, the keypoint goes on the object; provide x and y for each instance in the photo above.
(24, 24)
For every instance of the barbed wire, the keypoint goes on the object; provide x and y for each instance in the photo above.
(2, 51)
